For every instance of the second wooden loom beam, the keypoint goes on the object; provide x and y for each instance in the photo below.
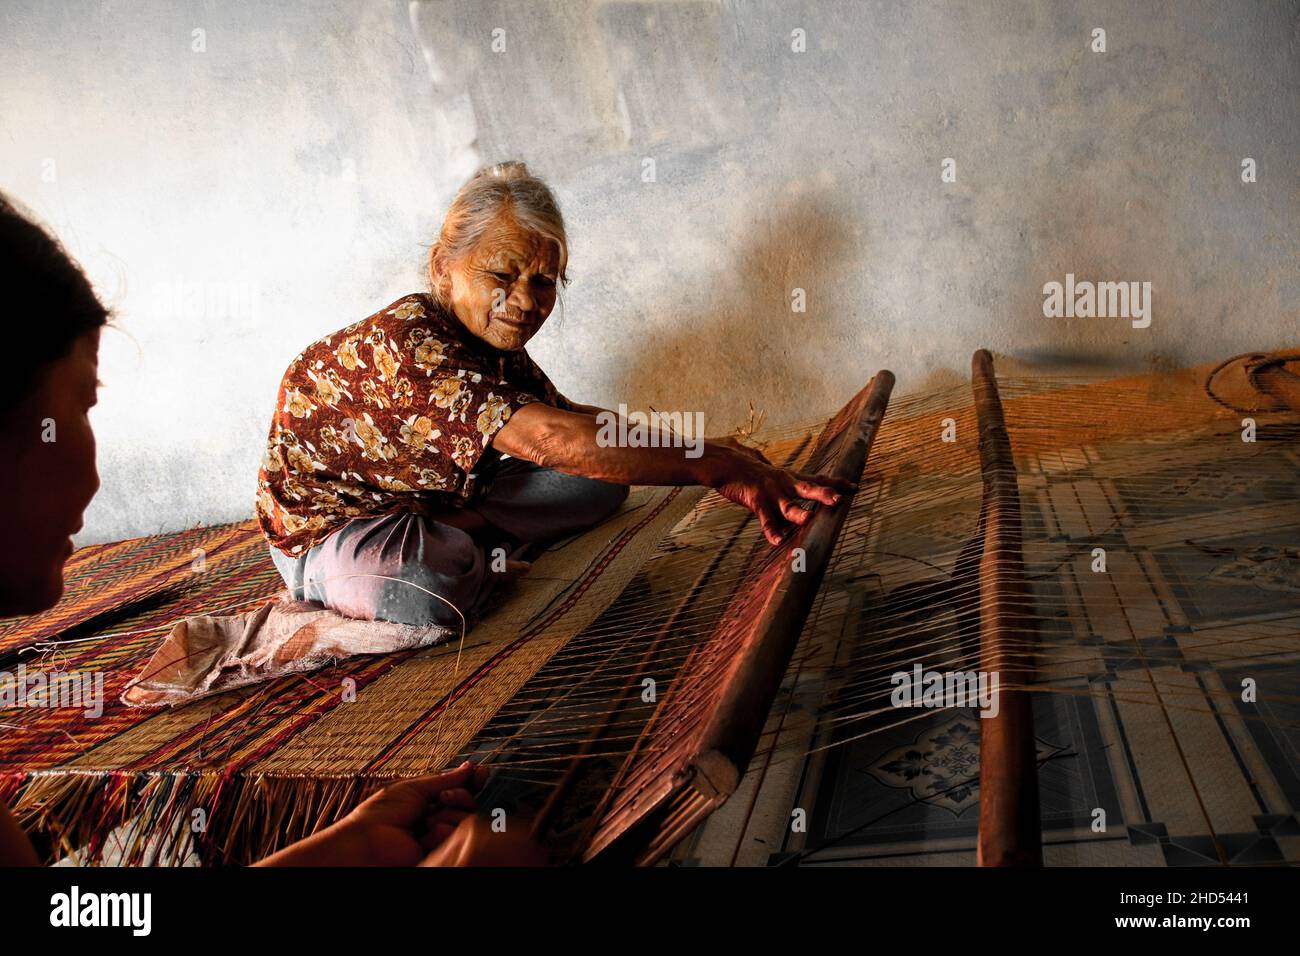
(1010, 832)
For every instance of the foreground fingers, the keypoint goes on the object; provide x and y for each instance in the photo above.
(446, 815)
(438, 834)
(474, 843)
(436, 783)
(439, 826)
(458, 797)
(405, 802)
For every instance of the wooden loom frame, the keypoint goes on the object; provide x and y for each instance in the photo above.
(765, 618)
(704, 763)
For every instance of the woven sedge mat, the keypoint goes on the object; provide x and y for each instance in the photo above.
(121, 581)
(120, 600)
(1046, 412)
(246, 758)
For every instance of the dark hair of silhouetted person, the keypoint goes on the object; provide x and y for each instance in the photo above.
(48, 303)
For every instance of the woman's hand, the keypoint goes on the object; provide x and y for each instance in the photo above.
(734, 443)
(576, 445)
(773, 494)
(398, 826)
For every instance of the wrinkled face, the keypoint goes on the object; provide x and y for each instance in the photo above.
(505, 288)
(49, 451)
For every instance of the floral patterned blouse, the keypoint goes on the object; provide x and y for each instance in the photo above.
(391, 414)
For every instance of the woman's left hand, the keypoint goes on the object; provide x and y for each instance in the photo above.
(774, 494)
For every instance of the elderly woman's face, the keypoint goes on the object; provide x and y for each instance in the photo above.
(505, 288)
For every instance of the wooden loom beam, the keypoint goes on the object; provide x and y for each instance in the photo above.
(763, 622)
(1010, 832)
(676, 620)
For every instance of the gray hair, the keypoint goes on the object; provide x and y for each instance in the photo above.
(503, 187)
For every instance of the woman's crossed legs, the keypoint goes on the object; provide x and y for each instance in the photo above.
(411, 568)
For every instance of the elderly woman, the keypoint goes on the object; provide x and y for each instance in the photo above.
(383, 490)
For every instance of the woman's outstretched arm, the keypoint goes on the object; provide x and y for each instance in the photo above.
(574, 443)
(589, 409)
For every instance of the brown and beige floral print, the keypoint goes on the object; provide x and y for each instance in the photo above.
(390, 414)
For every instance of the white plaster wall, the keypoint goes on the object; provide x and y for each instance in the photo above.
(236, 203)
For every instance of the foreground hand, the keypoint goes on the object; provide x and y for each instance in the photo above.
(410, 818)
(398, 826)
(475, 843)
(773, 494)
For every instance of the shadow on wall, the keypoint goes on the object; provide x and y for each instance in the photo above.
(567, 85)
(1114, 167)
(1090, 233)
(741, 326)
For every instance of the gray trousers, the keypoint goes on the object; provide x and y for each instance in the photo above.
(384, 568)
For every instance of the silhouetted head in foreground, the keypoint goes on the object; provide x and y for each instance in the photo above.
(52, 321)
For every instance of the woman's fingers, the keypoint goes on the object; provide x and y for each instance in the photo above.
(441, 831)
(402, 803)
(793, 512)
(842, 485)
(780, 520)
(779, 499)
(774, 528)
(439, 825)
(827, 496)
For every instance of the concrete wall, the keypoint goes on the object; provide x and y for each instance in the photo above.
(236, 201)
